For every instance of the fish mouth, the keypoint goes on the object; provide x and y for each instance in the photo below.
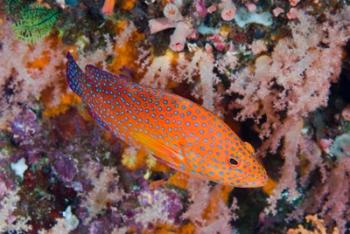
(256, 181)
(257, 177)
(253, 180)
(253, 184)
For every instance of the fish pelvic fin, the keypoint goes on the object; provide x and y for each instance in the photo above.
(74, 75)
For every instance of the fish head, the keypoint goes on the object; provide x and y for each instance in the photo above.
(237, 167)
(244, 168)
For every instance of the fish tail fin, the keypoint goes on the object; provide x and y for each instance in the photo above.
(74, 75)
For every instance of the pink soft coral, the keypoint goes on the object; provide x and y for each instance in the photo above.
(279, 91)
(21, 84)
(330, 197)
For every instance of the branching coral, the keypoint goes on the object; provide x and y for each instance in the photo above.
(201, 64)
(209, 212)
(319, 227)
(8, 221)
(22, 79)
(222, 54)
(329, 198)
(157, 207)
(105, 191)
(294, 81)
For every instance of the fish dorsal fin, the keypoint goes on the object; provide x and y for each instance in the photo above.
(74, 75)
(249, 147)
(172, 155)
(98, 74)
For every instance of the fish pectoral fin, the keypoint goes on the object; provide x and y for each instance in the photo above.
(169, 154)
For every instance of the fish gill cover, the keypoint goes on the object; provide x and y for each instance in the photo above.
(276, 72)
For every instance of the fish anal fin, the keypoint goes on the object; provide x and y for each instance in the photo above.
(169, 154)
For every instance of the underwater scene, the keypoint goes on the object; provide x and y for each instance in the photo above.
(174, 116)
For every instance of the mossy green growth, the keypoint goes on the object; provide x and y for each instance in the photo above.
(34, 22)
(13, 6)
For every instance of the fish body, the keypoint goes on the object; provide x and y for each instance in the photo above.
(175, 130)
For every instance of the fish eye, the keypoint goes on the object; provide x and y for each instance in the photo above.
(233, 161)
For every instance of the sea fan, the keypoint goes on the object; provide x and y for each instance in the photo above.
(34, 22)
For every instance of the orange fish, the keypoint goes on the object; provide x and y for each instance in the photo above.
(175, 130)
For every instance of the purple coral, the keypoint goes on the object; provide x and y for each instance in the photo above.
(65, 167)
(161, 206)
(24, 127)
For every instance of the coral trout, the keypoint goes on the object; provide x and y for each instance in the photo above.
(178, 132)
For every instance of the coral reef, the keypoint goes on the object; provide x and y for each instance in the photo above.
(277, 72)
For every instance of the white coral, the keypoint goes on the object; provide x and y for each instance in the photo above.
(105, 191)
(279, 91)
(19, 84)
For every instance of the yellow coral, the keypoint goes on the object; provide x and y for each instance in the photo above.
(179, 180)
(270, 186)
(127, 5)
(40, 62)
(317, 223)
(126, 54)
(161, 229)
(225, 30)
(221, 192)
(187, 228)
(66, 100)
(171, 55)
(165, 229)
(153, 164)
(133, 159)
(151, 161)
